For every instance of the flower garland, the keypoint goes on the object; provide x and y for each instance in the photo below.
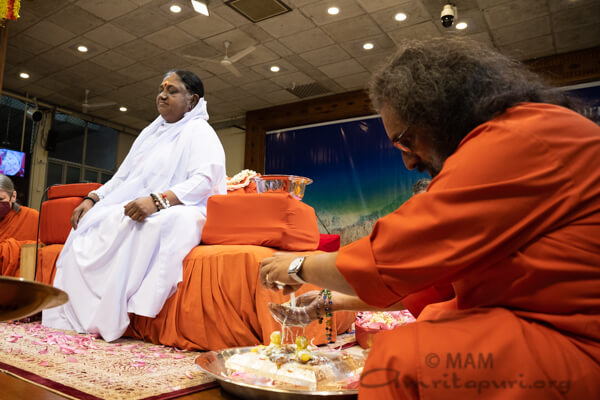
(9, 10)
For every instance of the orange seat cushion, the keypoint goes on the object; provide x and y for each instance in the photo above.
(71, 190)
(270, 219)
(55, 223)
(55, 215)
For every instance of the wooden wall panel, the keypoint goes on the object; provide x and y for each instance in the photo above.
(560, 70)
(323, 109)
(569, 68)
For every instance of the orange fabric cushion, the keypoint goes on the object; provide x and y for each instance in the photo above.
(272, 219)
(55, 223)
(71, 190)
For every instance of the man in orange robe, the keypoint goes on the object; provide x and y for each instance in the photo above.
(18, 225)
(511, 220)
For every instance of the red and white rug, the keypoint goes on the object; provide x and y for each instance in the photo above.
(84, 367)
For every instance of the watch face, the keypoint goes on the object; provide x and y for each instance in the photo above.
(295, 265)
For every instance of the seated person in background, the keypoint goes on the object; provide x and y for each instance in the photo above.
(511, 219)
(16, 221)
(130, 236)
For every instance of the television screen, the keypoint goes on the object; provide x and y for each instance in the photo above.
(12, 162)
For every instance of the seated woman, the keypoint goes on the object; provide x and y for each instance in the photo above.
(124, 255)
(16, 221)
(18, 225)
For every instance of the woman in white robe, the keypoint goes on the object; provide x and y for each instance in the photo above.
(125, 252)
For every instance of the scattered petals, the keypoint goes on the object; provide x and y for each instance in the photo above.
(35, 345)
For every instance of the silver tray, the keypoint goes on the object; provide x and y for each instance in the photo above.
(213, 363)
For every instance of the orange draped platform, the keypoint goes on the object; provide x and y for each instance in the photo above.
(220, 302)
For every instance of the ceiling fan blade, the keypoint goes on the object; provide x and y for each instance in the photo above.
(242, 54)
(98, 105)
(201, 59)
(232, 69)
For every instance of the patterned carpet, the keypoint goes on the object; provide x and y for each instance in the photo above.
(84, 367)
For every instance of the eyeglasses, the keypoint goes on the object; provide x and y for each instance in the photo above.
(397, 141)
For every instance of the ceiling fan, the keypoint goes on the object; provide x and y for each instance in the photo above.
(86, 105)
(227, 61)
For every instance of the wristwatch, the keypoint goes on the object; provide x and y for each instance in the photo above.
(295, 268)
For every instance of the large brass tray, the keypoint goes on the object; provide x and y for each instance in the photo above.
(20, 298)
(213, 363)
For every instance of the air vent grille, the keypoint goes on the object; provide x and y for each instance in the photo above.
(308, 90)
(258, 10)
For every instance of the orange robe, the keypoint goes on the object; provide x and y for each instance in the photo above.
(513, 222)
(20, 225)
(16, 229)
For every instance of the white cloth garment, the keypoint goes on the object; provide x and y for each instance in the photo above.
(112, 265)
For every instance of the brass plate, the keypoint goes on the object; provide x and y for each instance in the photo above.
(20, 298)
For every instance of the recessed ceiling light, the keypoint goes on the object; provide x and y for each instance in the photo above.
(333, 10)
(400, 17)
(82, 49)
(24, 75)
(461, 25)
(274, 68)
(175, 8)
(122, 109)
(368, 46)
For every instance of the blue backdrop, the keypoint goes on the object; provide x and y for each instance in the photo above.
(589, 94)
(358, 175)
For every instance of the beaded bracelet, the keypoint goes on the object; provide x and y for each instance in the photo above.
(166, 201)
(326, 295)
(158, 198)
(155, 200)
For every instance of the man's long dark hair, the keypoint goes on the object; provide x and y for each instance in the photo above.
(451, 85)
(191, 81)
